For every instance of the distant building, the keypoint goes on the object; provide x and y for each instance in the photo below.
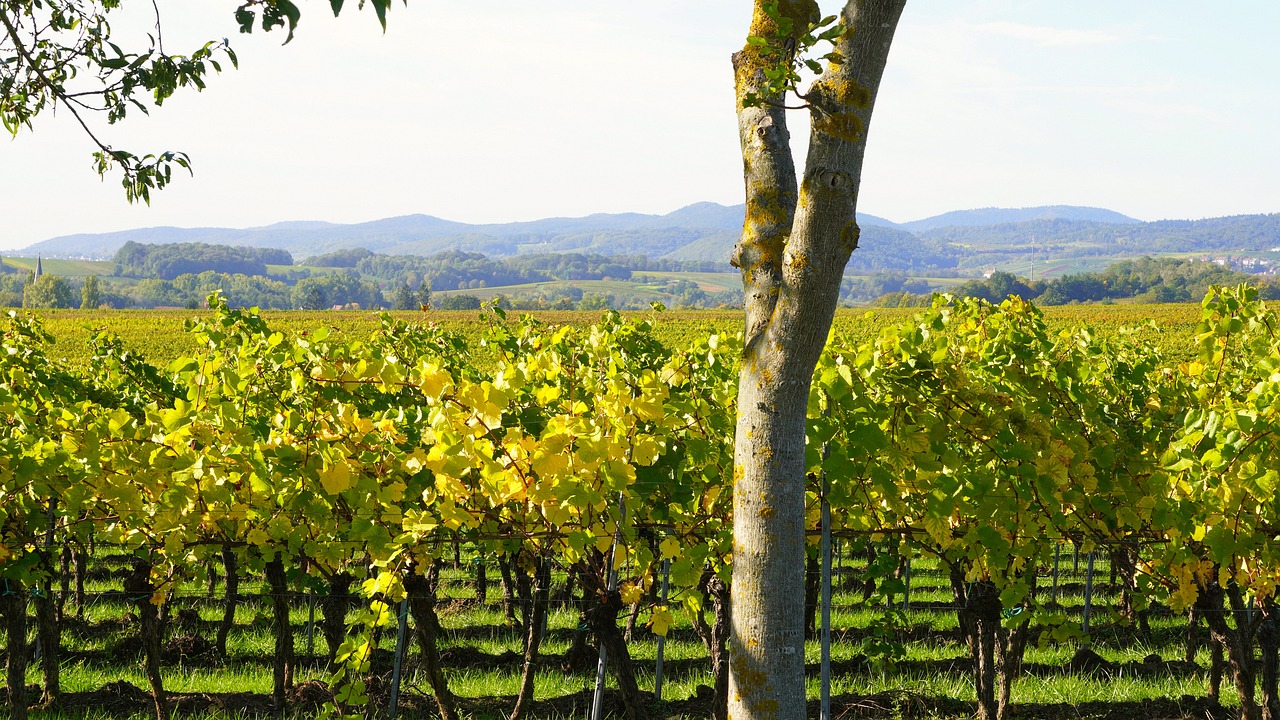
(39, 267)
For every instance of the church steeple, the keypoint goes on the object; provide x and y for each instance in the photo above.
(39, 267)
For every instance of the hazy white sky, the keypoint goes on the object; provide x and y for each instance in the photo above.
(514, 110)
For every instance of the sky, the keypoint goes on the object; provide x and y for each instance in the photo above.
(511, 110)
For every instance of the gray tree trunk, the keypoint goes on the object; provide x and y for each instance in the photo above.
(796, 240)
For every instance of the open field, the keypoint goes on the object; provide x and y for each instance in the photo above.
(160, 337)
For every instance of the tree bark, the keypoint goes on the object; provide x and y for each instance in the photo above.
(422, 591)
(533, 637)
(508, 587)
(812, 587)
(603, 621)
(80, 560)
(715, 637)
(283, 660)
(482, 581)
(47, 630)
(14, 600)
(1237, 641)
(1269, 642)
(978, 615)
(334, 607)
(231, 594)
(64, 581)
(795, 243)
(138, 586)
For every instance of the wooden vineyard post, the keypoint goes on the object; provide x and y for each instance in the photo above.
(597, 700)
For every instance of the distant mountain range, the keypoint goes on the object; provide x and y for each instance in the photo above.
(708, 231)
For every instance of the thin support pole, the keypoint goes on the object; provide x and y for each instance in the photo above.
(1057, 554)
(662, 639)
(1088, 597)
(825, 639)
(597, 700)
(906, 582)
(399, 664)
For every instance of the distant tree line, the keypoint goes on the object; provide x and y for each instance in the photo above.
(1154, 280)
(1084, 237)
(170, 260)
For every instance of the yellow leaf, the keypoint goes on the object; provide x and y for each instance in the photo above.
(670, 549)
(645, 451)
(647, 407)
(257, 536)
(631, 593)
(336, 477)
(661, 620)
(432, 381)
(547, 394)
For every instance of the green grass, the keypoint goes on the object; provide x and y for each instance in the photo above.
(932, 667)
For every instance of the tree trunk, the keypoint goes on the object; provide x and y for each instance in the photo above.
(533, 637)
(283, 660)
(812, 587)
(581, 655)
(80, 560)
(482, 581)
(1237, 641)
(1269, 642)
(1193, 636)
(508, 588)
(426, 626)
(64, 582)
(50, 641)
(795, 243)
(335, 606)
(979, 619)
(14, 602)
(1216, 668)
(139, 588)
(715, 638)
(231, 594)
(211, 578)
(524, 594)
(603, 621)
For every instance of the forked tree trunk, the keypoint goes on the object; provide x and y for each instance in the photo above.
(796, 241)
(14, 602)
(422, 591)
